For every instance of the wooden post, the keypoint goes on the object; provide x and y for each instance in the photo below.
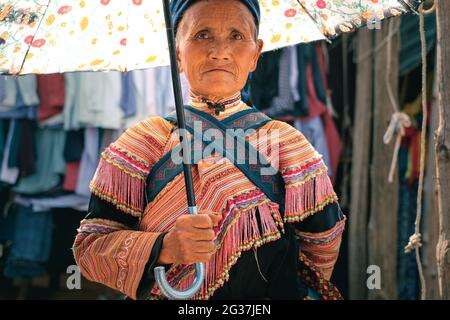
(359, 207)
(384, 195)
(443, 148)
(431, 222)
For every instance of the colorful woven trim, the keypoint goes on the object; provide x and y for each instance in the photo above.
(120, 180)
(313, 277)
(308, 190)
(325, 237)
(103, 226)
(239, 232)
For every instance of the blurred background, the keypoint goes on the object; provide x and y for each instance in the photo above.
(339, 95)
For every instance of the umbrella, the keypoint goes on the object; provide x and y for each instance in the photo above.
(55, 36)
(52, 36)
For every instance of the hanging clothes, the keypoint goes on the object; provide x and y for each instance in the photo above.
(21, 99)
(24, 87)
(91, 153)
(93, 100)
(51, 89)
(314, 132)
(2, 89)
(128, 97)
(50, 166)
(30, 247)
(7, 174)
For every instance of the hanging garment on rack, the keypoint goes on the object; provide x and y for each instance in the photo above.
(407, 274)
(147, 86)
(71, 176)
(95, 141)
(284, 101)
(128, 97)
(2, 89)
(164, 90)
(30, 248)
(50, 166)
(73, 151)
(314, 132)
(23, 86)
(278, 85)
(19, 102)
(89, 158)
(70, 112)
(45, 204)
(144, 95)
(51, 96)
(7, 174)
(93, 100)
(27, 151)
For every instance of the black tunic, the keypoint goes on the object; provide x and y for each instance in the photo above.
(268, 272)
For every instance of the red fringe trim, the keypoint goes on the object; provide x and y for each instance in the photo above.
(112, 184)
(243, 235)
(309, 197)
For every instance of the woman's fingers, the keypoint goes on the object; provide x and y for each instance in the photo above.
(196, 234)
(201, 247)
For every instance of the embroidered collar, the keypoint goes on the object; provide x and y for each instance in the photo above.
(216, 106)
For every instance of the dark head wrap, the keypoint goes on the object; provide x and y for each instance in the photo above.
(179, 7)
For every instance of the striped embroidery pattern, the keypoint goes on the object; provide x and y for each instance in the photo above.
(323, 248)
(88, 226)
(223, 188)
(116, 259)
(125, 164)
(105, 256)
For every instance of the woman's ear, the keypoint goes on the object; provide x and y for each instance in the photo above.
(260, 45)
(180, 65)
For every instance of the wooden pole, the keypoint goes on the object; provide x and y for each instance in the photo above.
(384, 195)
(442, 147)
(359, 207)
(431, 222)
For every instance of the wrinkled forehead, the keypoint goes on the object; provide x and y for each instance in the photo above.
(219, 17)
(215, 13)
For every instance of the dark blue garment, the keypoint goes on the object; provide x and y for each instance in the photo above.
(264, 85)
(407, 274)
(74, 146)
(128, 98)
(31, 244)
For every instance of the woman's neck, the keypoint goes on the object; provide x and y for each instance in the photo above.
(217, 105)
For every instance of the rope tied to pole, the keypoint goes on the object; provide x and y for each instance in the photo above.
(415, 242)
(399, 121)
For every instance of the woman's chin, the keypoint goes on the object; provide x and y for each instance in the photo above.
(218, 88)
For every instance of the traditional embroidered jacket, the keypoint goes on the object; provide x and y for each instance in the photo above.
(120, 238)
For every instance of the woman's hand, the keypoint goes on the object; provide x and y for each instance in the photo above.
(191, 239)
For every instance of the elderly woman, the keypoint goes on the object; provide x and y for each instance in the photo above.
(254, 246)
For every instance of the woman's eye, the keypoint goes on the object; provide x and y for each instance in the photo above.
(202, 35)
(237, 36)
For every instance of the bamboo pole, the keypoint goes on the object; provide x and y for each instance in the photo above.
(442, 147)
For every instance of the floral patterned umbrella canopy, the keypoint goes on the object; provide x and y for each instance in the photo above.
(54, 36)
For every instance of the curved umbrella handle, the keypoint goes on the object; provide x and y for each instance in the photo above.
(173, 294)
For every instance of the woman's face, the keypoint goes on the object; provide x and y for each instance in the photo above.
(217, 47)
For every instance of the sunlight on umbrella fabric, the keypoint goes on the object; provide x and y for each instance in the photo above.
(38, 36)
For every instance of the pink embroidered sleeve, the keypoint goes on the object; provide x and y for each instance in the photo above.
(106, 250)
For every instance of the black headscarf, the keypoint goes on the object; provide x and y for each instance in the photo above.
(179, 7)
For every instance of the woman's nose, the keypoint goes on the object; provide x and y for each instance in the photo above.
(220, 50)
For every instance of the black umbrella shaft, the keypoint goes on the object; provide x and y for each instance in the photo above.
(179, 105)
